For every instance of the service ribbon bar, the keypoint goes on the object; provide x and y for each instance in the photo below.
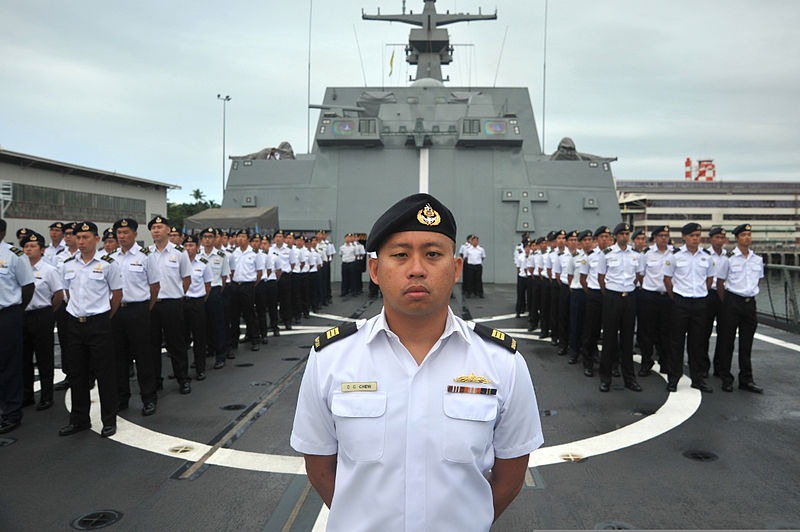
(472, 389)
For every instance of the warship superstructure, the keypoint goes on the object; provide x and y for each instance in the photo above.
(475, 148)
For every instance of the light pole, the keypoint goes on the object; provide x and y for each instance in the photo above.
(225, 99)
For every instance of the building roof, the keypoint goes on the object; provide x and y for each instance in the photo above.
(709, 187)
(32, 161)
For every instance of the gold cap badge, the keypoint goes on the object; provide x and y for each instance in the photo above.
(124, 223)
(428, 216)
(84, 227)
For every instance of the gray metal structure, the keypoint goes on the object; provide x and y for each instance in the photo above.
(475, 148)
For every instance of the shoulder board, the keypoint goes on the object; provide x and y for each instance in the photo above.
(575, 254)
(69, 259)
(179, 249)
(107, 258)
(645, 250)
(16, 251)
(204, 261)
(560, 253)
(498, 337)
(607, 250)
(146, 251)
(220, 253)
(707, 252)
(729, 253)
(676, 251)
(333, 335)
(60, 250)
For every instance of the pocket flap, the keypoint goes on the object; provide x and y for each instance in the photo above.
(359, 404)
(471, 407)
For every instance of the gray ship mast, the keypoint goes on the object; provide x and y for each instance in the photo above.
(429, 45)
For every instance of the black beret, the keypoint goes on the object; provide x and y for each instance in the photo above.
(561, 232)
(551, 236)
(69, 226)
(157, 220)
(741, 229)
(584, 234)
(664, 229)
(208, 231)
(85, 227)
(603, 229)
(620, 227)
(22, 232)
(716, 231)
(191, 238)
(33, 237)
(254, 236)
(639, 232)
(57, 225)
(109, 233)
(539, 240)
(278, 233)
(418, 212)
(3, 226)
(299, 236)
(130, 223)
(244, 232)
(691, 227)
(572, 233)
(174, 229)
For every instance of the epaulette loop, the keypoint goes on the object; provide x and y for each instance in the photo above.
(498, 337)
(107, 258)
(203, 260)
(332, 335)
(179, 248)
(607, 250)
(16, 251)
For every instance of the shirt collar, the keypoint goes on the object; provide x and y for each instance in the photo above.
(451, 326)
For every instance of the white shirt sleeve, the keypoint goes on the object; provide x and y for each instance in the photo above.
(518, 430)
(313, 431)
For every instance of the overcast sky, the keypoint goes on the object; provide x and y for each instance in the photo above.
(131, 86)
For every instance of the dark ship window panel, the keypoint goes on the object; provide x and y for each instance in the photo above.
(368, 127)
(343, 127)
(356, 132)
(412, 99)
(495, 127)
(487, 132)
(235, 165)
(440, 99)
(589, 203)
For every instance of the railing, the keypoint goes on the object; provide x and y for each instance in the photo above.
(777, 297)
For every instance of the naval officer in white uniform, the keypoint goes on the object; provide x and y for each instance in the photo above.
(415, 420)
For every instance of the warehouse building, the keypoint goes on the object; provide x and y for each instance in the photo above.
(38, 191)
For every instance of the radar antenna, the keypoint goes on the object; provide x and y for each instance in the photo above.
(429, 45)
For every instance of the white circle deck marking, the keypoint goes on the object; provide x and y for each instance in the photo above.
(678, 407)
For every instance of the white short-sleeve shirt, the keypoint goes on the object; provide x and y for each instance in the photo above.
(201, 274)
(413, 453)
(619, 267)
(741, 274)
(48, 281)
(173, 263)
(15, 272)
(90, 284)
(139, 270)
(689, 273)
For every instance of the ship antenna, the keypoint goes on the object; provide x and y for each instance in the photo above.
(544, 73)
(360, 57)
(308, 81)
(502, 46)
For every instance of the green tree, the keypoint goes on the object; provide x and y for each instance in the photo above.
(198, 195)
(178, 212)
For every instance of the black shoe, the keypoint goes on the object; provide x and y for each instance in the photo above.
(186, 388)
(108, 431)
(264, 340)
(554, 341)
(588, 372)
(562, 351)
(705, 374)
(171, 377)
(751, 387)
(131, 372)
(219, 364)
(8, 426)
(201, 376)
(149, 409)
(662, 369)
(276, 332)
(193, 365)
(306, 315)
(543, 335)
(71, 429)
(517, 316)
(160, 386)
(644, 372)
(288, 326)
(63, 385)
(231, 355)
(121, 407)
(727, 387)
(633, 386)
(604, 386)
(297, 321)
(254, 346)
(44, 405)
(703, 387)
(615, 372)
(672, 387)
(572, 360)
(530, 328)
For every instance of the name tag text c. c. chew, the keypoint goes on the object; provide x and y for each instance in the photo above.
(359, 386)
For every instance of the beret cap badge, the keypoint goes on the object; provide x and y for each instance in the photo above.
(85, 227)
(428, 216)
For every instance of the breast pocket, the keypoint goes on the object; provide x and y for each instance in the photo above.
(360, 419)
(468, 425)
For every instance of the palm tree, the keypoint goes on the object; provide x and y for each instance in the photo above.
(198, 195)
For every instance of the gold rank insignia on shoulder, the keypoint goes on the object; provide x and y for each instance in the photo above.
(470, 389)
(359, 386)
(332, 335)
(498, 337)
(428, 216)
(472, 378)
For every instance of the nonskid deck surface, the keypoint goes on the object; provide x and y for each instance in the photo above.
(647, 460)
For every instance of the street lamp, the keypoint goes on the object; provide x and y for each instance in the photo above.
(225, 99)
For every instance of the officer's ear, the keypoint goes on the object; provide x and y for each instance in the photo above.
(373, 269)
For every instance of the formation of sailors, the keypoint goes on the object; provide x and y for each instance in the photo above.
(579, 284)
(130, 301)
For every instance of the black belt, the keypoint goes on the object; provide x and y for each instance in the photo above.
(12, 307)
(737, 296)
(243, 283)
(169, 299)
(621, 294)
(195, 298)
(132, 303)
(690, 298)
(655, 293)
(90, 319)
(50, 308)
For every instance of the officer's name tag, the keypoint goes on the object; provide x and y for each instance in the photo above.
(359, 386)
